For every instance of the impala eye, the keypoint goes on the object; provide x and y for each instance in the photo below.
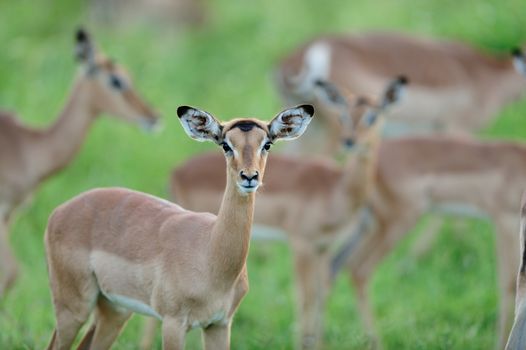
(267, 146)
(226, 147)
(116, 83)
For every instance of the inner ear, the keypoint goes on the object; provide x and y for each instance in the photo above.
(200, 125)
(291, 123)
(394, 91)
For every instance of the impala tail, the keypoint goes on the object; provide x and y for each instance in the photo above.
(315, 66)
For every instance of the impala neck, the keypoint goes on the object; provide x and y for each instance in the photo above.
(231, 234)
(358, 174)
(56, 146)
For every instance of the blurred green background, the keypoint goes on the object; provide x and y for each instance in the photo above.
(445, 299)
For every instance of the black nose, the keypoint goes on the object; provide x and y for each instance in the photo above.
(249, 178)
(348, 143)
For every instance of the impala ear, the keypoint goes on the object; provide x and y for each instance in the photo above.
(84, 48)
(519, 61)
(291, 123)
(200, 125)
(394, 91)
(330, 93)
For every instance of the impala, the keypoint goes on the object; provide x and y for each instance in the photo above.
(517, 339)
(119, 251)
(29, 156)
(454, 88)
(314, 201)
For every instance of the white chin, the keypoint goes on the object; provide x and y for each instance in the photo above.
(245, 190)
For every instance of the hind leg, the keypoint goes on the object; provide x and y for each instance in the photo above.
(148, 335)
(74, 292)
(68, 325)
(108, 323)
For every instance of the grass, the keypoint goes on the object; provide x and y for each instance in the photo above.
(443, 300)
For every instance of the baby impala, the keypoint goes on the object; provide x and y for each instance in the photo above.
(117, 251)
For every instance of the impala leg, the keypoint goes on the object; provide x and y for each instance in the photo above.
(68, 325)
(8, 264)
(74, 292)
(507, 265)
(364, 308)
(312, 284)
(148, 333)
(428, 236)
(376, 245)
(174, 334)
(217, 337)
(108, 324)
(85, 343)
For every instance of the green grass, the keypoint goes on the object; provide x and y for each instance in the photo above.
(444, 300)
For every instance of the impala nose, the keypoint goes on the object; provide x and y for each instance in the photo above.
(249, 181)
(348, 143)
(249, 177)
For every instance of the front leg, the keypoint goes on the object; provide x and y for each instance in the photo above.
(217, 337)
(312, 284)
(174, 333)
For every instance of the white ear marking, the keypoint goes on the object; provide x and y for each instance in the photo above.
(291, 123)
(199, 125)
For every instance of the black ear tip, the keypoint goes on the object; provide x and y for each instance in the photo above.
(516, 52)
(402, 79)
(182, 110)
(81, 35)
(309, 109)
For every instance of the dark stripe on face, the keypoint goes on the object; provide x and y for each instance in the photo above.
(523, 264)
(245, 125)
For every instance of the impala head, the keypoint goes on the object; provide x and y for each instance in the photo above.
(245, 142)
(112, 90)
(519, 60)
(359, 113)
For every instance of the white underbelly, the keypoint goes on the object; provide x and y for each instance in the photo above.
(132, 305)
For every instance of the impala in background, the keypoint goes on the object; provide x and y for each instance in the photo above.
(29, 156)
(454, 88)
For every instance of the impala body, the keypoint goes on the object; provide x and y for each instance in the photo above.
(454, 88)
(28, 156)
(116, 251)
